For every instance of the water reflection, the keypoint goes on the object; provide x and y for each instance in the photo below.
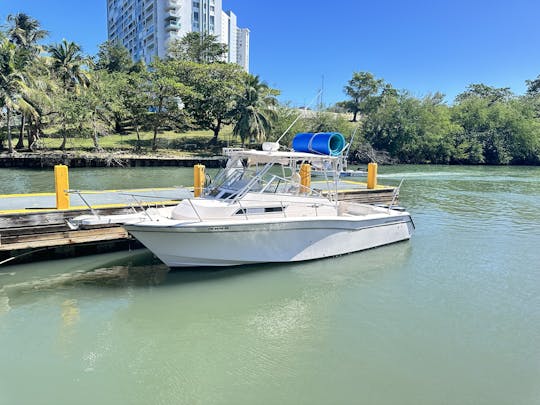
(22, 283)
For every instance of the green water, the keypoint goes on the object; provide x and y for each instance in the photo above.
(450, 317)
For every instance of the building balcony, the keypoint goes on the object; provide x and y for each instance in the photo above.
(172, 16)
(172, 27)
(171, 5)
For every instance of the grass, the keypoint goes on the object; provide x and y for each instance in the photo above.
(168, 142)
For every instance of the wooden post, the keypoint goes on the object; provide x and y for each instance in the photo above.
(61, 182)
(198, 180)
(305, 177)
(372, 175)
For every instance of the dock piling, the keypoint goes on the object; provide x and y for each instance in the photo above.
(198, 180)
(305, 177)
(372, 176)
(61, 182)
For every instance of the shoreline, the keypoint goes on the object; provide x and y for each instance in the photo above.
(38, 160)
(47, 160)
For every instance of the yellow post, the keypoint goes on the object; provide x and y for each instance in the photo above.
(198, 180)
(305, 177)
(61, 184)
(371, 175)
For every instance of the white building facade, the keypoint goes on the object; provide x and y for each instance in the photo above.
(146, 27)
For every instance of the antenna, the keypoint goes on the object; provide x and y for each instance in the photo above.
(322, 93)
(299, 115)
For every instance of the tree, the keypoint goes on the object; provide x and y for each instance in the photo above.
(502, 132)
(533, 86)
(362, 89)
(39, 97)
(68, 66)
(216, 89)
(99, 103)
(136, 102)
(114, 58)
(25, 33)
(492, 94)
(165, 94)
(255, 110)
(411, 129)
(285, 116)
(324, 121)
(12, 83)
(198, 47)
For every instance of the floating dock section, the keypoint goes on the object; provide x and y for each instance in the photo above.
(31, 225)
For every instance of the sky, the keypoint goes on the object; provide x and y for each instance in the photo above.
(301, 46)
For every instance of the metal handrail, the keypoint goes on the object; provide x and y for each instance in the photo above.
(94, 212)
(243, 210)
(194, 209)
(141, 207)
(395, 194)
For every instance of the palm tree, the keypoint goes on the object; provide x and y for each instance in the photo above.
(38, 100)
(68, 65)
(255, 110)
(12, 84)
(25, 33)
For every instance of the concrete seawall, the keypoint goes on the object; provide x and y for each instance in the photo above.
(49, 160)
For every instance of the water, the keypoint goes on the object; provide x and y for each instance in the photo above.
(451, 317)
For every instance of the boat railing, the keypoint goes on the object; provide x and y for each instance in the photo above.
(194, 210)
(80, 194)
(243, 210)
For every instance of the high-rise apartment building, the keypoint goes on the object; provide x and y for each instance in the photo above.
(146, 27)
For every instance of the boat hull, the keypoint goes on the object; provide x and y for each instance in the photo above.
(232, 244)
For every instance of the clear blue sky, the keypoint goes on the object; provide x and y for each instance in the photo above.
(419, 45)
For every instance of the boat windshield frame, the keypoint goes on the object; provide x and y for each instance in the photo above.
(246, 171)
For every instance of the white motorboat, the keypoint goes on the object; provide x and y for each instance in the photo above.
(259, 209)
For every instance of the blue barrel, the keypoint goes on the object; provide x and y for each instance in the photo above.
(321, 143)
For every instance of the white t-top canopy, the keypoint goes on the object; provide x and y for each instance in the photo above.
(280, 157)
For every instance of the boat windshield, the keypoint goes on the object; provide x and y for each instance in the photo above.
(239, 178)
(233, 181)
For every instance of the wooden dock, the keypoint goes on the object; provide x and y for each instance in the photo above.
(32, 229)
